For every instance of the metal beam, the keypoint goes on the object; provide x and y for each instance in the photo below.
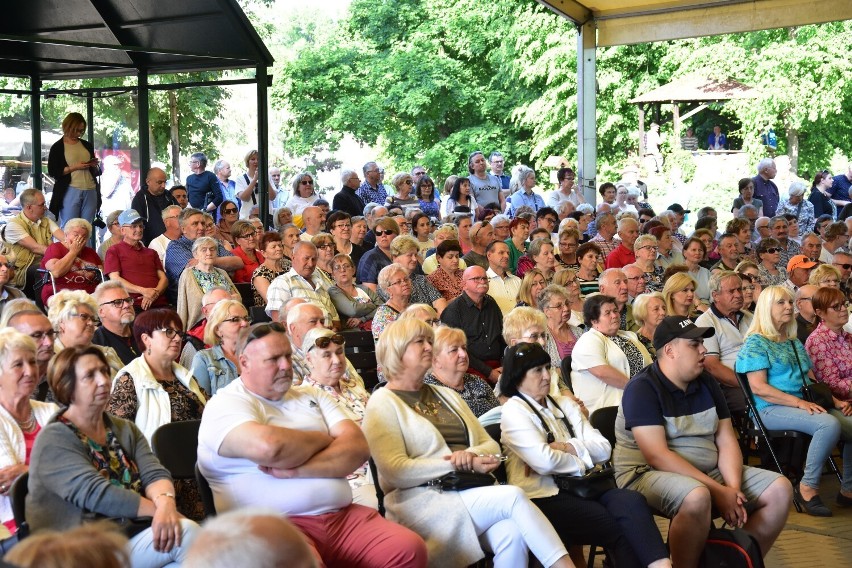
(571, 9)
(587, 138)
(263, 82)
(144, 137)
(35, 121)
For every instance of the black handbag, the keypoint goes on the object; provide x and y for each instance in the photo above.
(461, 480)
(594, 483)
(817, 393)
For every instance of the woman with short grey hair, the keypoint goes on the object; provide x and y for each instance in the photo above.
(797, 205)
(396, 285)
(198, 279)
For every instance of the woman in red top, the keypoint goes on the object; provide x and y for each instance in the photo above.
(245, 237)
(73, 264)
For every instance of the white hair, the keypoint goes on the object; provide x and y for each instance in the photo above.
(585, 208)
(764, 163)
(345, 174)
(797, 188)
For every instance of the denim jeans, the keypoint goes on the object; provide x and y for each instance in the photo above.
(824, 428)
(78, 203)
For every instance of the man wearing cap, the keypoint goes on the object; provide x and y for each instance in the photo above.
(798, 271)
(676, 446)
(730, 324)
(150, 201)
(136, 266)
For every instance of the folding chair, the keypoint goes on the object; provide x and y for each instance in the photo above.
(176, 446)
(565, 366)
(206, 493)
(18, 496)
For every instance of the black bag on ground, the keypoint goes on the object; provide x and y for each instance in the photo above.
(731, 548)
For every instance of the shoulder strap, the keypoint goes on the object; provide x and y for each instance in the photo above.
(798, 363)
(549, 433)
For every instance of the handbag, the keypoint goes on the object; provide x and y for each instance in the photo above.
(817, 393)
(461, 480)
(594, 483)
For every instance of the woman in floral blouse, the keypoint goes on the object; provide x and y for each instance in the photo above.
(447, 278)
(829, 345)
(198, 279)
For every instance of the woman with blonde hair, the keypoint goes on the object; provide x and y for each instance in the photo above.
(304, 193)
(649, 310)
(72, 163)
(74, 316)
(423, 312)
(405, 197)
(679, 295)
(216, 367)
(417, 434)
(449, 369)
(567, 278)
(532, 284)
(396, 285)
(825, 275)
(777, 364)
(325, 252)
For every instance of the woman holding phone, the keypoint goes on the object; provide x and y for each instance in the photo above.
(72, 163)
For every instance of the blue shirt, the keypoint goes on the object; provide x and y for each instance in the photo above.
(370, 265)
(766, 191)
(203, 188)
(759, 353)
(521, 198)
(840, 187)
(372, 195)
(178, 255)
(212, 369)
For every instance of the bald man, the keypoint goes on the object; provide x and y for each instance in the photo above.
(150, 201)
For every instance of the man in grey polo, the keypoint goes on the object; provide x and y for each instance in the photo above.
(730, 323)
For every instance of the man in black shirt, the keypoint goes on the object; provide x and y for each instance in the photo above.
(115, 310)
(150, 201)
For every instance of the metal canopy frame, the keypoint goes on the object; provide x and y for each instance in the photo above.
(46, 40)
(608, 23)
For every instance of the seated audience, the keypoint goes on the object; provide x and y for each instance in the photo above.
(72, 314)
(679, 294)
(648, 311)
(258, 429)
(449, 369)
(199, 278)
(136, 266)
(116, 314)
(301, 281)
(217, 366)
(694, 251)
(605, 357)
(24, 316)
(531, 286)
(677, 447)
(7, 275)
(396, 285)
(96, 545)
(418, 433)
(246, 237)
(86, 462)
(547, 435)
(503, 286)
(354, 302)
(269, 269)
(447, 278)
(613, 282)
(385, 230)
(561, 335)
(73, 265)
(170, 217)
(539, 255)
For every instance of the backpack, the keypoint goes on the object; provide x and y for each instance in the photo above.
(731, 548)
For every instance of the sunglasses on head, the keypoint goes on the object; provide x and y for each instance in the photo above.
(261, 330)
(324, 342)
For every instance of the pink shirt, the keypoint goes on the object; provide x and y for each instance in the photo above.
(831, 354)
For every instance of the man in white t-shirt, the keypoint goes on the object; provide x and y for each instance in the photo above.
(265, 443)
(172, 232)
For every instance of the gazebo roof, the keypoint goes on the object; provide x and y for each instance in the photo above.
(74, 39)
(697, 89)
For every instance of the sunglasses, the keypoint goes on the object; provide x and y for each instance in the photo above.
(261, 330)
(773, 250)
(325, 341)
(307, 182)
(844, 266)
(380, 233)
(229, 211)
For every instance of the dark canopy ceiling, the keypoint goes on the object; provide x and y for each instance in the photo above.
(66, 39)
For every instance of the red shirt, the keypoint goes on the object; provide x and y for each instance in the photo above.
(76, 278)
(138, 265)
(244, 273)
(620, 257)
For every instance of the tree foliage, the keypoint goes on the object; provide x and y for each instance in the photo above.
(431, 80)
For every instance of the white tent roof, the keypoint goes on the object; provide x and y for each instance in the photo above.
(621, 22)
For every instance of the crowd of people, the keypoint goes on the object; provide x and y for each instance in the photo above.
(489, 304)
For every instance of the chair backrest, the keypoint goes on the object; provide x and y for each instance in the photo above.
(566, 371)
(380, 495)
(603, 419)
(176, 446)
(244, 288)
(18, 496)
(494, 430)
(361, 352)
(206, 493)
(258, 315)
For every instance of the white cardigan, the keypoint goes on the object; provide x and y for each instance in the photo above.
(13, 449)
(409, 451)
(155, 408)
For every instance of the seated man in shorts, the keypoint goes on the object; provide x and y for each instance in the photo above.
(676, 446)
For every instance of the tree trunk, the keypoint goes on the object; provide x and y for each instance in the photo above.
(173, 135)
(793, 149)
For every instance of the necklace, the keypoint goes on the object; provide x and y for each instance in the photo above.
(27, 425)
(426, 408)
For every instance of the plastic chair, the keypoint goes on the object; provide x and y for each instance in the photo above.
(603, 419)
(207, 493)
(176, 446)
(18, 497)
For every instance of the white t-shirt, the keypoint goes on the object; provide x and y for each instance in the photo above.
(160, 244)
(236, 482)
(240, 185)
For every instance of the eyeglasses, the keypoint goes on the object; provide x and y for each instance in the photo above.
(397, 282)
(237, 319)
(9, 265)
(340, 226)
(635, 278)
(407, 182)
(751, 289)
(839, 307)
(326, 246)
(380, 233)
(170, 332)
(773, 250)
(556, 307)
(344, 266)
(650, 247)
(830, 281)
(249, 235)
(478, 279)
(119, 302)
(535, 337)
(87, 319)
(844, 266)
(323, 342)
(434, 322)
(39, 335)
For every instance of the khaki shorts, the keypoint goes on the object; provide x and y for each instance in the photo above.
(666, 491)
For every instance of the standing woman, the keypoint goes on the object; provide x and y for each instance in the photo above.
(72, 163)
(619, 519)
(418, 433)
(820, 196)
(775, 361)
(461, 196)
(246, 186)
(425, 191)
(304, 194)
